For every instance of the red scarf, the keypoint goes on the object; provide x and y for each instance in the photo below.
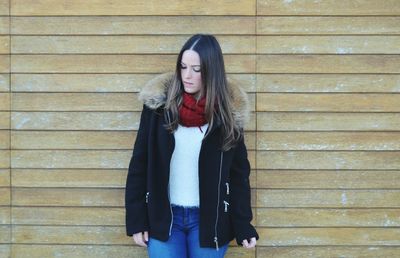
(191, 112)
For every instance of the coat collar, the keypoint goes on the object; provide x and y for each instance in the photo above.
(153, 95)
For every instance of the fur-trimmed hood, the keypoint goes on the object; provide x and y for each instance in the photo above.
(153, 95)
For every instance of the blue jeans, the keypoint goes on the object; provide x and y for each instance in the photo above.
(184, 239)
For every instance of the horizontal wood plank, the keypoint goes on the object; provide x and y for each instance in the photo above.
(314, 121)
(4, 139)
(4, 177)
(5, 250)
(328, 251)
(328, 102)
(80, 101)
(328, 140)
(78, 250)
(108, 159)
(4, 25)
(4, 159)
(5, 101)
(94, 216)
(84, 139)
(94, 140)
(328, 44)
(84, 121)
(329, 236)
(385, 83)
(4, 44)
(105, 235)
(76, 102)
(5, 234)
(131, 25)
(328, 63)
(4, 196)
(328, 160)
(328, 198)
(4, 120)
(126, 7)
(4, 63)
(287, 25)
(329, 179)
(328, 7)
(75, 120)
(4, 82)
(67, 197)
(4, 9)
(292, 217)
(114, 63)
(96, 82)
(5, 215)
(152, 44)
(69, 178)
(101, 251)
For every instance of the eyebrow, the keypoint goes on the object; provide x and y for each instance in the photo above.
(192, 65)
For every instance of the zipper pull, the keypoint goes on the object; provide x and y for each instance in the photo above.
(147, 197)
(216, 242)
(227, 188)
(226, 205)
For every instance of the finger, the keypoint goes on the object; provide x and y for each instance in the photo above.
(253, 242)
(139, 240)
(146, 236)
(245, 243)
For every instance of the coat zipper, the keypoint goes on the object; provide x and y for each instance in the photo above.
(219, 185)
(170, 208)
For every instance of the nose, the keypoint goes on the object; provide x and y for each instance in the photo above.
(187, 73)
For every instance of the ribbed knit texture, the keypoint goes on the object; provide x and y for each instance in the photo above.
(184, 166)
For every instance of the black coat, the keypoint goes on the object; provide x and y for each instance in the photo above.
(223, 176)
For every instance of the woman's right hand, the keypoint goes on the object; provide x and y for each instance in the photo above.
(140, 238)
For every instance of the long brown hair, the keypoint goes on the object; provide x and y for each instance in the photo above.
(219, 99)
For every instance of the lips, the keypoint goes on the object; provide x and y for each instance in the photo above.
(187, 83)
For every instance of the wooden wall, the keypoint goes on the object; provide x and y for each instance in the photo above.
(324, 137)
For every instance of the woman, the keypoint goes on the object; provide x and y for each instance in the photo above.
(187, 190)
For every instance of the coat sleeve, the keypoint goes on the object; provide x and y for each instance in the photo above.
(136, 182)
(240, 202)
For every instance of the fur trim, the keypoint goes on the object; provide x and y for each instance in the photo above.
(153, 95)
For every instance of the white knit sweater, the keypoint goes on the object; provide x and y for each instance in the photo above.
(184, 166)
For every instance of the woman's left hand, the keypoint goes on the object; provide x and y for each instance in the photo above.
(252, 243)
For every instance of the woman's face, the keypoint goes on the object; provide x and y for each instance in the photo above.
(191, 74)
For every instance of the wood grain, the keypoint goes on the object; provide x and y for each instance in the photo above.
(4, 44)
(4, 82)
(310, 83)
(328, 102)
(152, 44)
(328, 198)
(4, 177)
(328, 179)
(113, 63)
(318, 217)
(328, 140)
(328, 7)
(325, 121)
(328, 63)
(328, 44)
(328, 251)
(329, 236)
(133, 25)
(95, 82)
(4, 139)
(382, 160)
(126, 7)
(319, 25)
(65, 197)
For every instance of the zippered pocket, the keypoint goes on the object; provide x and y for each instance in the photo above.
(147, 197)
